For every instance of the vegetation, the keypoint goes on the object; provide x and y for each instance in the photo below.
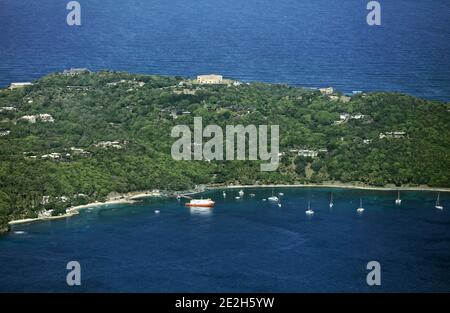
(137, 112)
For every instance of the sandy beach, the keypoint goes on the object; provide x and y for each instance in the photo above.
(73, 211)
(335, 185)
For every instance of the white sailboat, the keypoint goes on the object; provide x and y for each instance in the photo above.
(398, 201)
(360, 209)
(331, 200)
(273, 198)
(438, 205)
(241, 193)
(309, 211)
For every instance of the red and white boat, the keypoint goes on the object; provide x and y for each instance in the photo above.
(201, 203)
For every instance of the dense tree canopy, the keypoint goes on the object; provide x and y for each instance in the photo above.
(137, 112)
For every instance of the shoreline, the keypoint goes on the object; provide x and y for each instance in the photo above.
(72, 211)
(133, 197)
(335, 185)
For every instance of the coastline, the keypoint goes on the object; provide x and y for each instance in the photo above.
(133, 197)
(336, 185)
(72, 211)
(126, 198)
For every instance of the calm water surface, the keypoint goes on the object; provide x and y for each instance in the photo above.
(240, 245)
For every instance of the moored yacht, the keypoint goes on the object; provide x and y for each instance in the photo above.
(309, 211)
(438, 204)
(398, 201)
(201, 203)
(273, 198)
(360, 209)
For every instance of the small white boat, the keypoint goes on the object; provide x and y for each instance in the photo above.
(279, 205)
(281, 194)
(264, 199)
(273, 198)
(438, 205)
(237, 197)
(360, 209)
(252, 195)
(224, 194)
(331, 201)
(156, 211)
(398, 201)
(309, 211)
(241, 193)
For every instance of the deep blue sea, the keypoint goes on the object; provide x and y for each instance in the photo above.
(310, 43)
(240, 245)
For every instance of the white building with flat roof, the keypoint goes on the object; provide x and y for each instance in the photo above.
(210, 79)
(19, 85)
(327, 90)
(76, 71)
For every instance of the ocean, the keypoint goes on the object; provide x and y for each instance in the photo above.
(302, 43)
(246, 245)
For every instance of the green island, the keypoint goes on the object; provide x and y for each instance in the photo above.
(73, 139)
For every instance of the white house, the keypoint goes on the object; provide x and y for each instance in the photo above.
(344, 116)
(357, 116)
(308, 153)
(19, 85)
(76, 71)
(8, 109)
(46, 118)
(210, 79)
(42, 117)
(392, 135)
(53, 156)
(326, 91)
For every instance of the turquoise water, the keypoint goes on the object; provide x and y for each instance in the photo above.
(313, 43)
(240, 245)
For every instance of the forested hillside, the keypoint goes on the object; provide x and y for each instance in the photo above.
(73, 139)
